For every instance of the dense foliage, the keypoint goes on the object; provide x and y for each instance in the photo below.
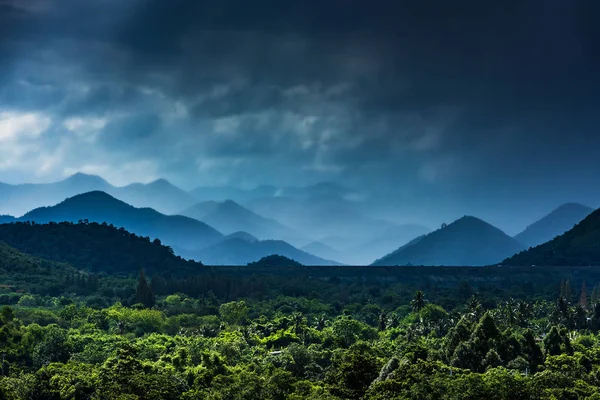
(296, 348)
(22, 272)
(276, 331)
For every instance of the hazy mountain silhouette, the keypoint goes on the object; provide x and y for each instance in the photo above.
(238, 251)
(322, 250)
(229, 217)
(400, 249)
(223, 193)
(362, 249)
(467, 241)
(242, 235)
(579, 246)
(275, 261)
(18, 199)
(554, 224)
(324, 216)
(181, 232)
(321, 189)
(160, 195)
(387, 241)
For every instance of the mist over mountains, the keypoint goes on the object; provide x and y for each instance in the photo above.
(229, 217)
(323, 224)
(160, 195)
(297, 215)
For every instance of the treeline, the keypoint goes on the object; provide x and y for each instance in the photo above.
(94, 247)
(300, 348)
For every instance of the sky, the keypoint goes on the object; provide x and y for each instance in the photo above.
(455, 107)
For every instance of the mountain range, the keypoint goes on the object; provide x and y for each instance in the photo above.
(312, 224)
(189, 237)
(468, 241)
(160, 195)
(298, 215)
(180, 232)
(324, 251)
(339, 223)
(554, 224)
(222, 193)
(229, 217)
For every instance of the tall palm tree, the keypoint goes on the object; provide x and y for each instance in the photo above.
(418, 303)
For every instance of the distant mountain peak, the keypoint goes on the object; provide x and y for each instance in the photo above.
(468, 222)
(553, 224)
(466, 241)
(243, 236)
(161, 182)
(572, 206)
(469, 218)
(230, 203)
(94, 194)
(80, 177)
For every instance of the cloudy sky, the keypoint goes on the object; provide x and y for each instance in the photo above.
(463, 106)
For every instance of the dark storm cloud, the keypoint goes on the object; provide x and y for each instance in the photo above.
(445, 94)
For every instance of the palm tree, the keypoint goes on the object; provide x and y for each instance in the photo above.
(418, 303)
(474, 309)
(321, 321)
(298, 321)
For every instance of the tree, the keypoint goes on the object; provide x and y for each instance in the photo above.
(595, 317)
(418, 302)
(595, 294)
(382, 323)
(492, 359)
(144, 294)
(351, 375)
(583, 298)
(552, 342)
(235, 312)
(568, 292)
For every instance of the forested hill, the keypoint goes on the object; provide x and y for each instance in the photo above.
(4, 219)
(94, 247)
(554, 224)
(21, 271)
(578, 247)
(181, 232)
(467, 241)
(276, 261)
